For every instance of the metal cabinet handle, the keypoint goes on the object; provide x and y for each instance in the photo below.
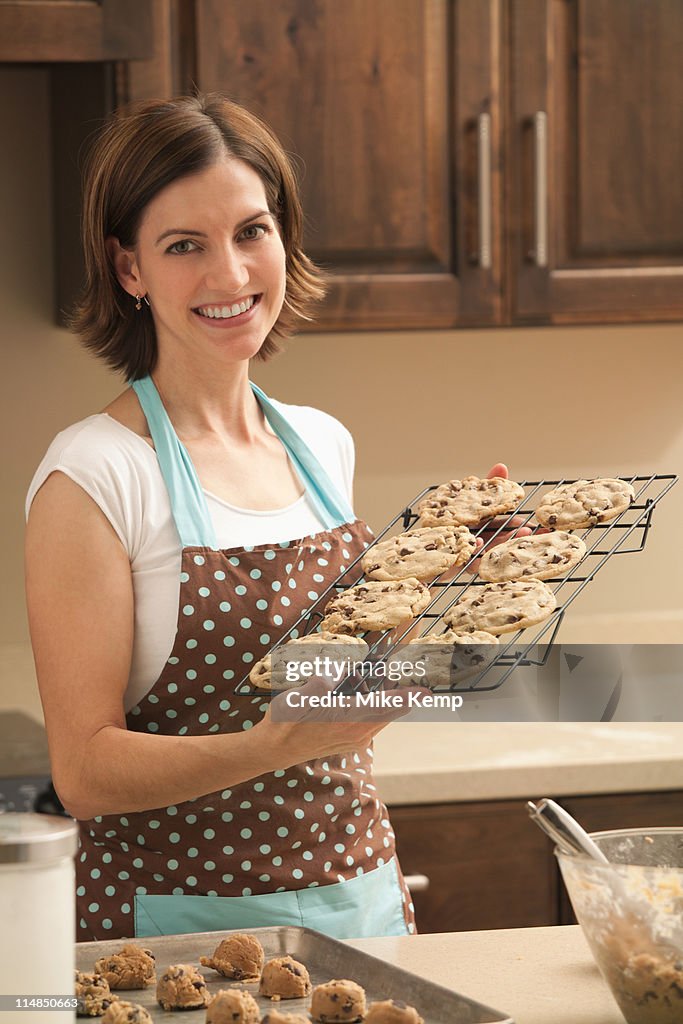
(540, 253)
(484, 155)
(417, 883)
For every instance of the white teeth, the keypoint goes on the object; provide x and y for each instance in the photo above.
(226, 312)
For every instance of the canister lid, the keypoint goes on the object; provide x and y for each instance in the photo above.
(36, 838)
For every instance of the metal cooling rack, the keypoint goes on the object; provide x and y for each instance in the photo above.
(627, 533)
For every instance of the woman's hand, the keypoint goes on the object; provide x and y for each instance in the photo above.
(304, 733)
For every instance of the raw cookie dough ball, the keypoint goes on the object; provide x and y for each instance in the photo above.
(126, 1013)
(132, 967)
(392, 1011)
(284, 978)
(182, 987)
(93, 996)
(240, 957)
(275, 1017)
(337, 1001)
(232, 1006)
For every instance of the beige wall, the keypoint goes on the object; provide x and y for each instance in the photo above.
(422, 406)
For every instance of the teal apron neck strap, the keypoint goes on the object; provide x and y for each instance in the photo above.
(188, 502)
(332, 508)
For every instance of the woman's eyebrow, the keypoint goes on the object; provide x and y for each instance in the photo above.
(202, 234)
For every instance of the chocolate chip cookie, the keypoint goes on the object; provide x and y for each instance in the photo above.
(502, 607)
(584, 503)
(375, 606)
(542, 556)
(469, 502)
(449, 657)
(262, 672)
(423, 553)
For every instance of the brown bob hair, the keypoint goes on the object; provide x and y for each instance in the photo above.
(138, 153)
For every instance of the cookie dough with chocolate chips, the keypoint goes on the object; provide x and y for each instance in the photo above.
(284, 978)
(392, 1011)
(338, 1001)
(584, 503)
(182, 987)
(132, 967)
(239, 957)
(375, 606)
(232, 1006)
(423, 553)
(542, 556)
(93, 995)
(502, 607)
(261, 674)
(126, 1013)
(469, 502)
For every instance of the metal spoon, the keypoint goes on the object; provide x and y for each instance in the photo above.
(563, 829)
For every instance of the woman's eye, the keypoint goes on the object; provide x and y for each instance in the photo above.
(254, 231)
(181, 247)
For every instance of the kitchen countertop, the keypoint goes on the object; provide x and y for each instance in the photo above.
(537, 975)
(435, 762)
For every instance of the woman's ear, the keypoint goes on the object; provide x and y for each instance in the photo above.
(125, 266)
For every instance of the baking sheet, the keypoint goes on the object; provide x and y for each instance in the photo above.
(324, 957)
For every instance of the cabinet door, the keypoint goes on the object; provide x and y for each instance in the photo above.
(487, 865)
(76, 30)
(381, 101)
(596, 145)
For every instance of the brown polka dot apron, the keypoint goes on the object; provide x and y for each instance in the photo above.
(310, 845)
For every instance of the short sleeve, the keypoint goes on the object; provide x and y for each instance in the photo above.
(100, 461)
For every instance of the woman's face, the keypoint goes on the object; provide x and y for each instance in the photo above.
(211, 261)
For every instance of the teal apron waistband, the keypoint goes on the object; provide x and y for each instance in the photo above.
(366, 905)
(188, 502)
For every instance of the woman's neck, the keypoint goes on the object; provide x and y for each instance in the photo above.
(200, 404)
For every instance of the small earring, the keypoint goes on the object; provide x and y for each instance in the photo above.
(146, 300)
(138, 302)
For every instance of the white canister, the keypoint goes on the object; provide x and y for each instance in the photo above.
(37, 914)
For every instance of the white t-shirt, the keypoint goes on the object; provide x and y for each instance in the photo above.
(120, 472)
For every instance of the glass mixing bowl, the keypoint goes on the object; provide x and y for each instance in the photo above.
(631, 912)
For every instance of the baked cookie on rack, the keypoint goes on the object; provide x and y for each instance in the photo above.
(502, 607)
(542, 556)
(375, 605)
(423, 553)
(584, 503)
(449, 657)
(261, 674)
(470, 501)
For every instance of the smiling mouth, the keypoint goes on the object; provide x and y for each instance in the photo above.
(227, 311)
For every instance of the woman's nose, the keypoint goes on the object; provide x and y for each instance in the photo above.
(228, 272)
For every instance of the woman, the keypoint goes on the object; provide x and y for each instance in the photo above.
(161, 562)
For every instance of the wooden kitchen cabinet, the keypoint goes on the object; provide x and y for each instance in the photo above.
(75, 30)
(595, 145)
(489, 866)
(463, 162)
(466, 162)
(383, 103)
